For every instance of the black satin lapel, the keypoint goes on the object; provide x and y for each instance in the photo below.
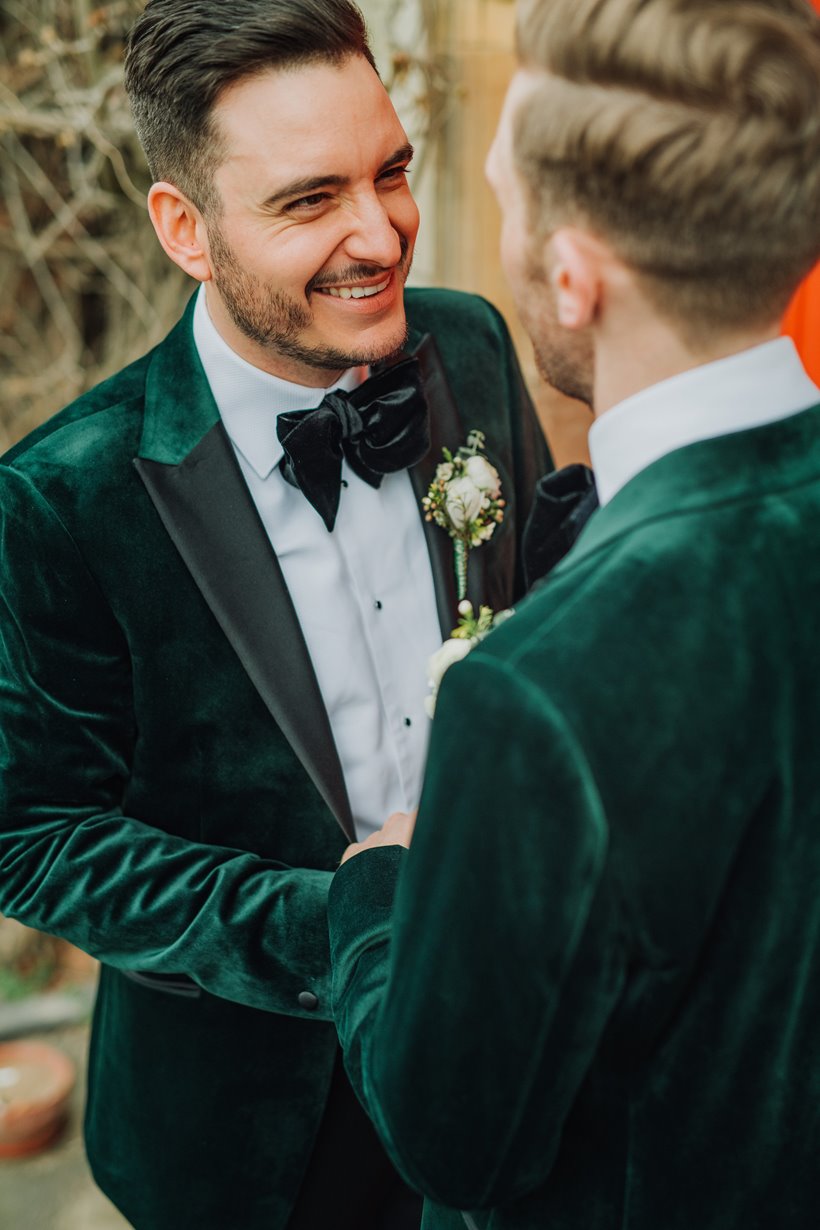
(446, 431)
(207, 510)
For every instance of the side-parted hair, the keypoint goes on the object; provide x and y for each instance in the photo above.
(182, 54)
(686, 133)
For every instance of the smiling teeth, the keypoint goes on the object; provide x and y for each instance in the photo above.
(355, 292)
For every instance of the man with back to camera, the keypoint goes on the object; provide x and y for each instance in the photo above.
(216, 615)
(591, 1000)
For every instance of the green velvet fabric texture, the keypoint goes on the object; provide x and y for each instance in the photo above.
(151, 809)
(594, 1001)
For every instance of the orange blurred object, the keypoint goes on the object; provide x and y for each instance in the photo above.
(802, 322)
(36, 1081)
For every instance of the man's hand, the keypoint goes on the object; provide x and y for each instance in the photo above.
(398, 831)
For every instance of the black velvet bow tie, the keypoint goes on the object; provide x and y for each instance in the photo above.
(564, 502)
(381, 427)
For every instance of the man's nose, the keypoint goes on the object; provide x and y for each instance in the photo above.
(373, 238)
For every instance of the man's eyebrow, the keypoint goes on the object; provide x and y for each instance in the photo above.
(304, 187)
(403, 154)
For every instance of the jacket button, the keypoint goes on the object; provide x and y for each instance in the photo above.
(308, 1001)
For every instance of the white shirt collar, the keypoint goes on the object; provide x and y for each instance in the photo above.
(250, 400)
(746, 390)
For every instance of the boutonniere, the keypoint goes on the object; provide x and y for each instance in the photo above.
(465, 499)
(471, 629)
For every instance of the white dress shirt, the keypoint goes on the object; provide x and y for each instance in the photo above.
(363, 594)
(749, 389)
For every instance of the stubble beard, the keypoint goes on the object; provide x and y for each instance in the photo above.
(562, 370)
(275, 321)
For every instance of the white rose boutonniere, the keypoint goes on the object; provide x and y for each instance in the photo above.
(485, 476)
(470, 631)
(462, 502)
(465, 499)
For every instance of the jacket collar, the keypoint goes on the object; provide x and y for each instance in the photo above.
(740, 465)
(179, 406)
(748, 389)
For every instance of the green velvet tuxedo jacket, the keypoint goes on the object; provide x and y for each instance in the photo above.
(588, 998)
(171, 799)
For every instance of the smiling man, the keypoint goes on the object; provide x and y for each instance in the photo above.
(219, 597)
(305, 239)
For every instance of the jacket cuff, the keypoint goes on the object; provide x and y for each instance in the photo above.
(361, 895)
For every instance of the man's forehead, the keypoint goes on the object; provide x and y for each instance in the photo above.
(309, 117)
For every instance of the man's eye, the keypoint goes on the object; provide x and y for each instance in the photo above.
(308, 202)
(393, 175)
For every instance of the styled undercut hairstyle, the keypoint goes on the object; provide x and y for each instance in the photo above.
(182, 54)
(686, 133)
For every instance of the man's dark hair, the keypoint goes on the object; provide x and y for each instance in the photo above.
(183, 53)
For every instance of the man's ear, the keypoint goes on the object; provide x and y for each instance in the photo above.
(180, 229)
(575, 263)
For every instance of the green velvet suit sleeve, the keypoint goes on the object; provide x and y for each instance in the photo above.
(70, 862)
(456, 1056)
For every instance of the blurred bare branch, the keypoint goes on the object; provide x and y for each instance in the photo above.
(84, 287)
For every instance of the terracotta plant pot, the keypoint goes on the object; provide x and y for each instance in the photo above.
(35, 1084)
